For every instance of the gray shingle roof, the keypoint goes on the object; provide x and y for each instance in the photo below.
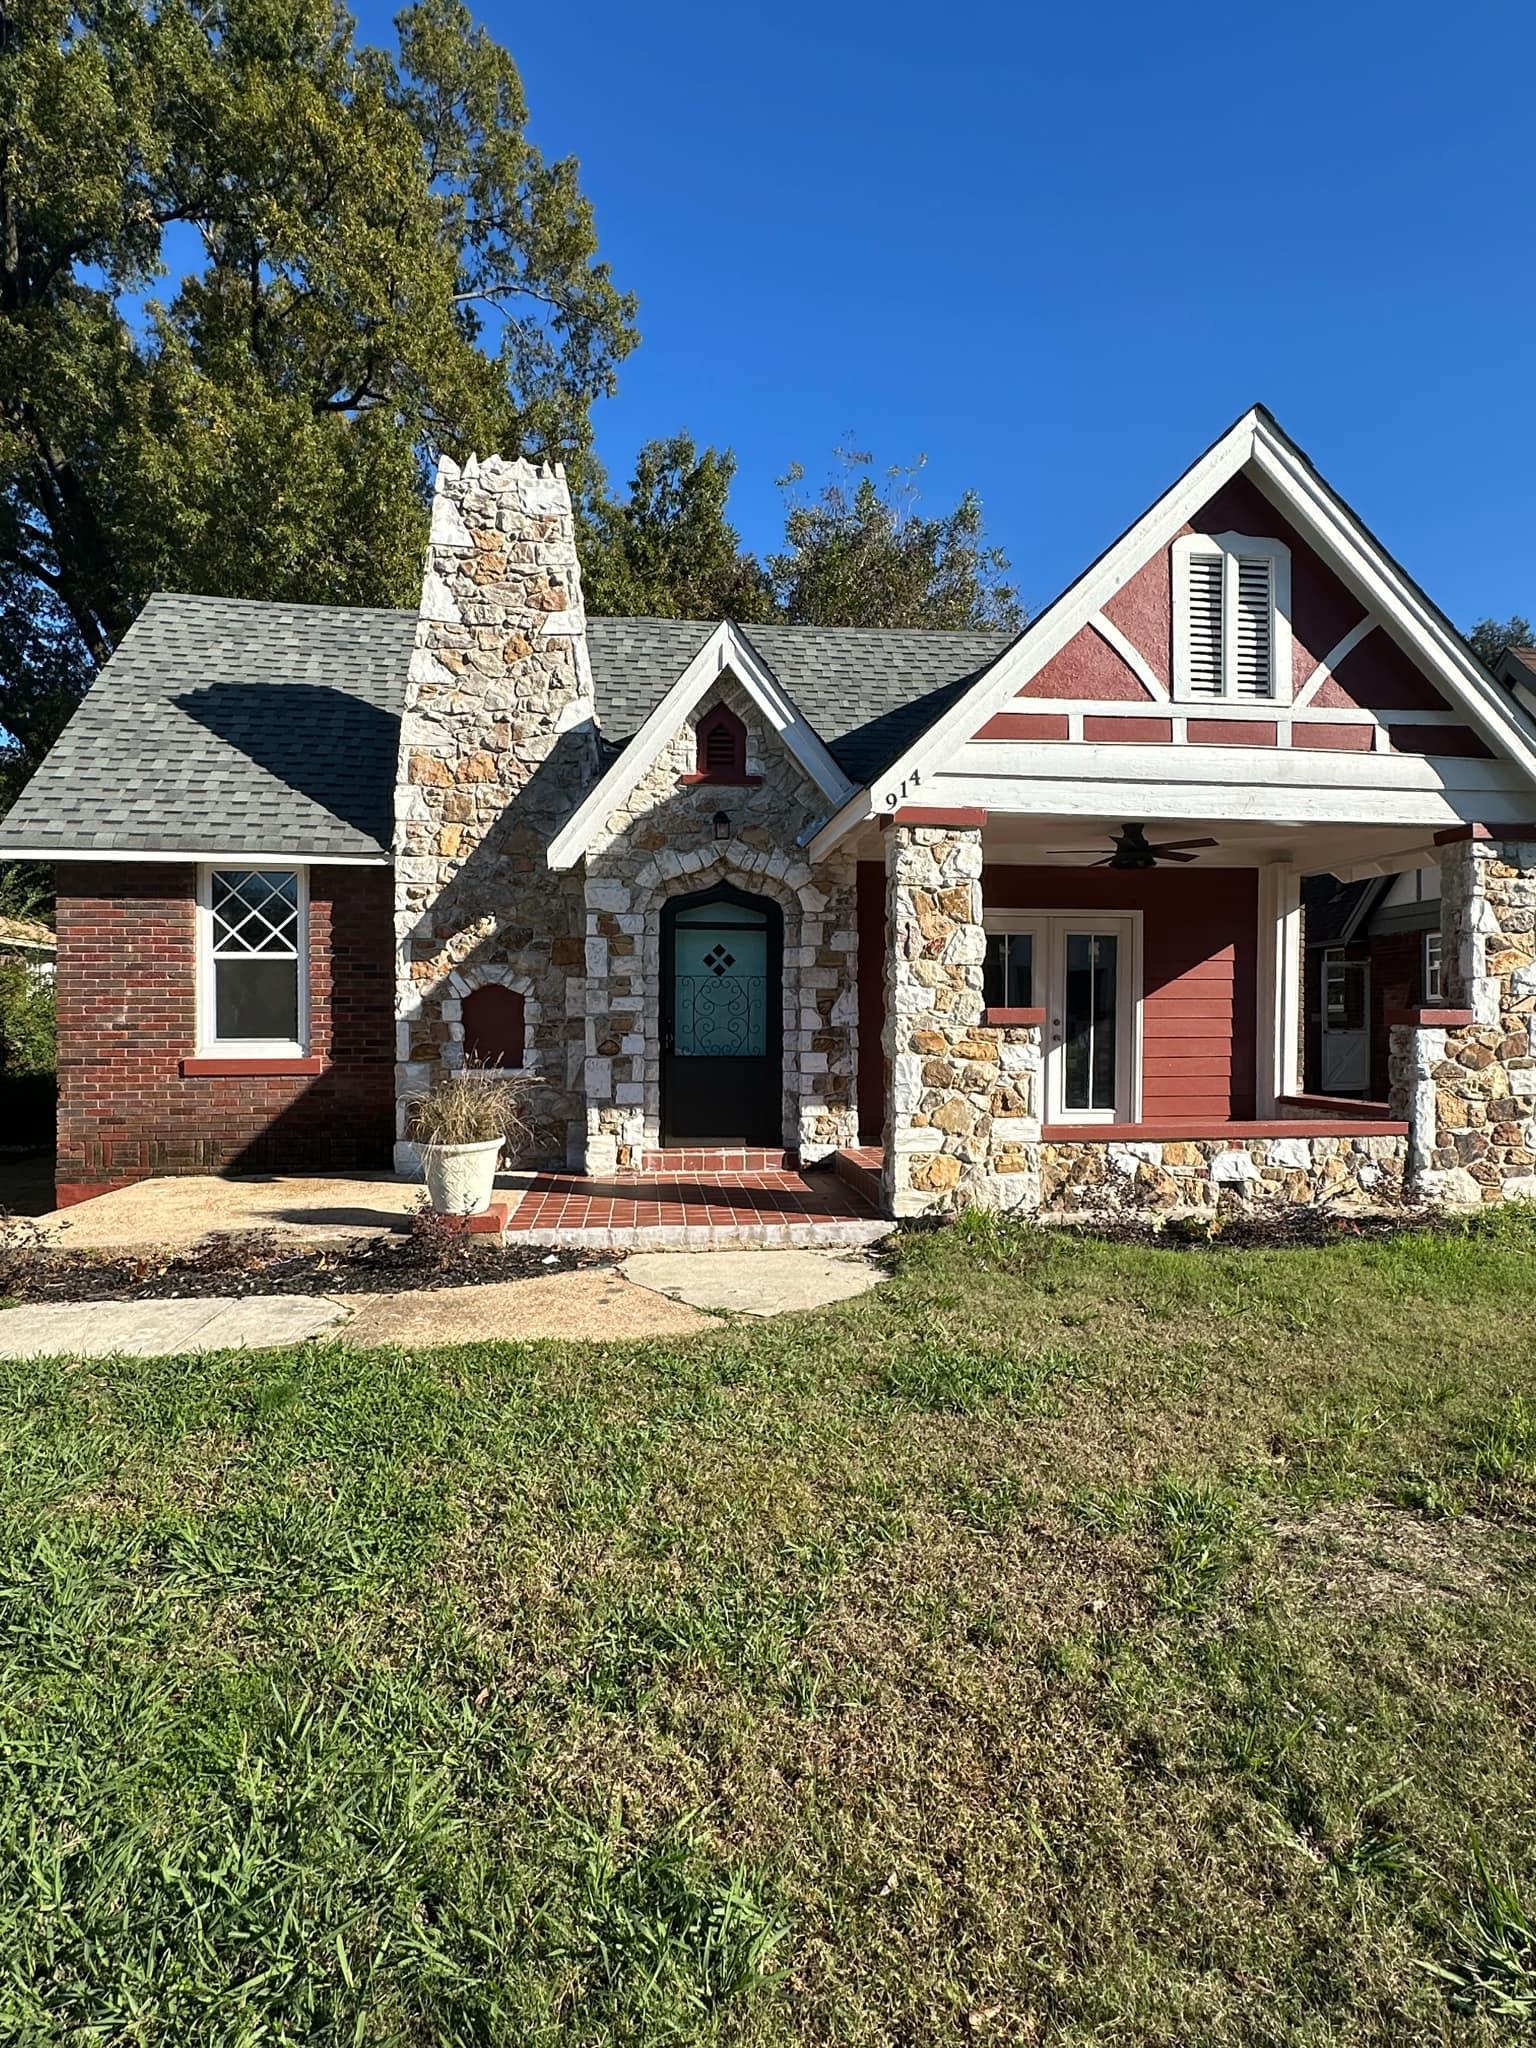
(228, 725)
(868, 693)
(235, 725)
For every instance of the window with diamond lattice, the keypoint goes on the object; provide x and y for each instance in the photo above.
(253, 978)
(722, 744)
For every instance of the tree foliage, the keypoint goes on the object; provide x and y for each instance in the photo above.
(858, 553)
(374, 264)
(862, 554)
(668, 550)
(1489, 637)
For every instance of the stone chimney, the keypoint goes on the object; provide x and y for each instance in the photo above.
(497, 746)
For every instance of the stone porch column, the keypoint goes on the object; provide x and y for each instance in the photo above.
(962, 1117)
(1483, 1075)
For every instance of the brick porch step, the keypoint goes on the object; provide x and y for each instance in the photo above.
(719, 1159)
(861, 1166)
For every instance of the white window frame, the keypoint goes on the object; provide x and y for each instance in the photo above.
(1230, 549)
(1049, 928)
(1433, 967)
(208, 1042)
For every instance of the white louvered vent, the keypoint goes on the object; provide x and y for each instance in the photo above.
(1253, 667)
(1205, 678)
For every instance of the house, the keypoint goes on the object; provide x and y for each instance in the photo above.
(1372, 949)
(1016, 920)
(31, 942)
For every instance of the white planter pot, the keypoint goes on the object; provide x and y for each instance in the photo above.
(461, 1179)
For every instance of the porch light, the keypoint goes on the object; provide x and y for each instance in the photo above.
(722, 825)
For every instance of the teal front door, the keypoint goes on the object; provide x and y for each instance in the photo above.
(721, 1024)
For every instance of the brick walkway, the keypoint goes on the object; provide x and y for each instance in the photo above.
(657, 1211)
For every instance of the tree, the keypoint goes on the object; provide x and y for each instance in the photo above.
(857, 555)
(668, 551)
(378, 266)
(860, 555)
(1488, 639)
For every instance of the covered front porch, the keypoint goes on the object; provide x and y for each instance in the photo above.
(1080, 1013)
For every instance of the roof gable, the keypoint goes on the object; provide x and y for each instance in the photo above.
(1352, 595)
(727, 650)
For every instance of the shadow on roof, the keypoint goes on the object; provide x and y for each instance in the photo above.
(334, 748)
(865, 749)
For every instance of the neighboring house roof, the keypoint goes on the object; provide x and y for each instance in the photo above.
(232, 726)
(28, 934)
(1337, 911)
(1524, 657)
(235, 725)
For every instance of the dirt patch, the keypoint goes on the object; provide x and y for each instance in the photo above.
(591, 1307)
(1366, 1558)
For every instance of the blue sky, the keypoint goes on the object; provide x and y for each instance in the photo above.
(1057, 249)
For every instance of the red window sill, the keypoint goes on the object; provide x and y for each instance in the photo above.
(1434, 1019)
(1005, 1017)
(293, 1065)
(695, 777)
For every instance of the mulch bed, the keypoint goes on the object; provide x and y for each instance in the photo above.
(267, 1262)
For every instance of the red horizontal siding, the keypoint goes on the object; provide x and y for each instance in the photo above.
(1199, 973)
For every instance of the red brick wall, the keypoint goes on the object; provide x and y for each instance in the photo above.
(128, 1018)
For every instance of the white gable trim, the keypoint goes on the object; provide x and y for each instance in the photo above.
(726, 649)
(1331, 660)
(1290, 483)
(1131, 655)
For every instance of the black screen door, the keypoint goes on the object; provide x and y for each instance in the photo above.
(721, 1022)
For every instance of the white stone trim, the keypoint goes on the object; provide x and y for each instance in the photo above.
(727, 650)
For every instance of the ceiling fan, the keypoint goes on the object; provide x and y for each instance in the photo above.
(1131, 849)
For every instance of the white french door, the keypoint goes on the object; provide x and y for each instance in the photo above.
(1084, 970)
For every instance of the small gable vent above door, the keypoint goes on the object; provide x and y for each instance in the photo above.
(722, 747)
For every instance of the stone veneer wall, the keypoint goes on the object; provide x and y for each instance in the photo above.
(662, 842)
(963, 1115)
(1197, 1173)
(497, 747)
(1469, 1089)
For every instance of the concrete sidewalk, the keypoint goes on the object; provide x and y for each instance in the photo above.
(661, 1295)
(162, 1329)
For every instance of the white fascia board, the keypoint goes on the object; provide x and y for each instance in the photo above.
(1058, 624)
(1290, 482)
(725, 649)
(219, 856)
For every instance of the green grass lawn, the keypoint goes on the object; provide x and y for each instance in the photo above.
(1064, 1644)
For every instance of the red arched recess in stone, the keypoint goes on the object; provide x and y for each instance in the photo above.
(493, 1027)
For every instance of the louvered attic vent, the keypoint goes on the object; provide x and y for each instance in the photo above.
(1231, 597)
